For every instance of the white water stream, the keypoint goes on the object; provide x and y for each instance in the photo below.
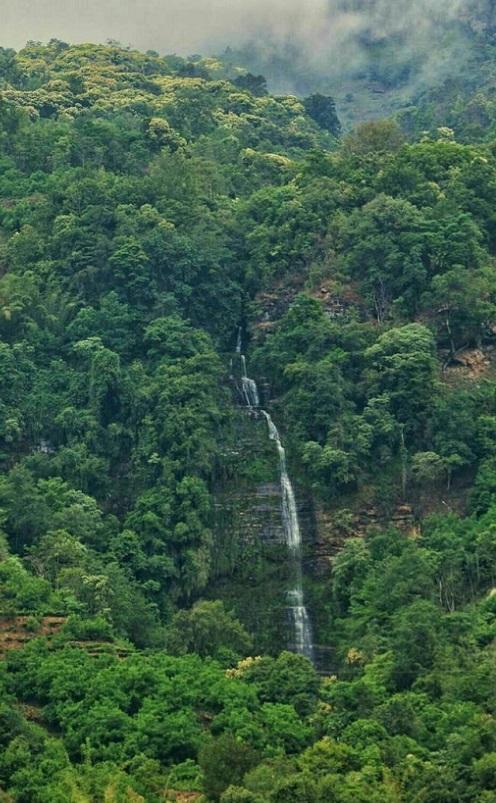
(300, 620)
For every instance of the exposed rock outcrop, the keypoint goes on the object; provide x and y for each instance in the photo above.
(334, 527)
(16, 631)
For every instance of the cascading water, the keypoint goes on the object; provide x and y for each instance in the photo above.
(302, 627)
(249, 387)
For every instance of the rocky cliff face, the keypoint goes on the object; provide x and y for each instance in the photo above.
(252, 565)
(252, 569)
(334, 527)
(16, 631)
(251, 562)
(249, 551)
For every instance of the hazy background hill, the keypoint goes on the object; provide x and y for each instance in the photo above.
(380, 58)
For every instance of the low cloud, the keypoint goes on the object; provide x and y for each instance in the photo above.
(330, 35)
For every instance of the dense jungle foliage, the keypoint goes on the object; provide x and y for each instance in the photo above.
(148, 206)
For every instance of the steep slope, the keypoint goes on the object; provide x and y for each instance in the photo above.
(147, 212)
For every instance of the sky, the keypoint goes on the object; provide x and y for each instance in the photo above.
(183, 26)
(191, 26)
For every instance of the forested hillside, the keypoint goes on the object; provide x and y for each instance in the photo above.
(155, 218)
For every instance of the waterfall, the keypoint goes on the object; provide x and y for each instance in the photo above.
(300, 620)
(249, 387)
(289, 512)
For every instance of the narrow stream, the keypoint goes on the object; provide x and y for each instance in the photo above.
(302, 637)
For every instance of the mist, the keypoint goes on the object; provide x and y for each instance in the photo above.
(187, 26)
(328, 36)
